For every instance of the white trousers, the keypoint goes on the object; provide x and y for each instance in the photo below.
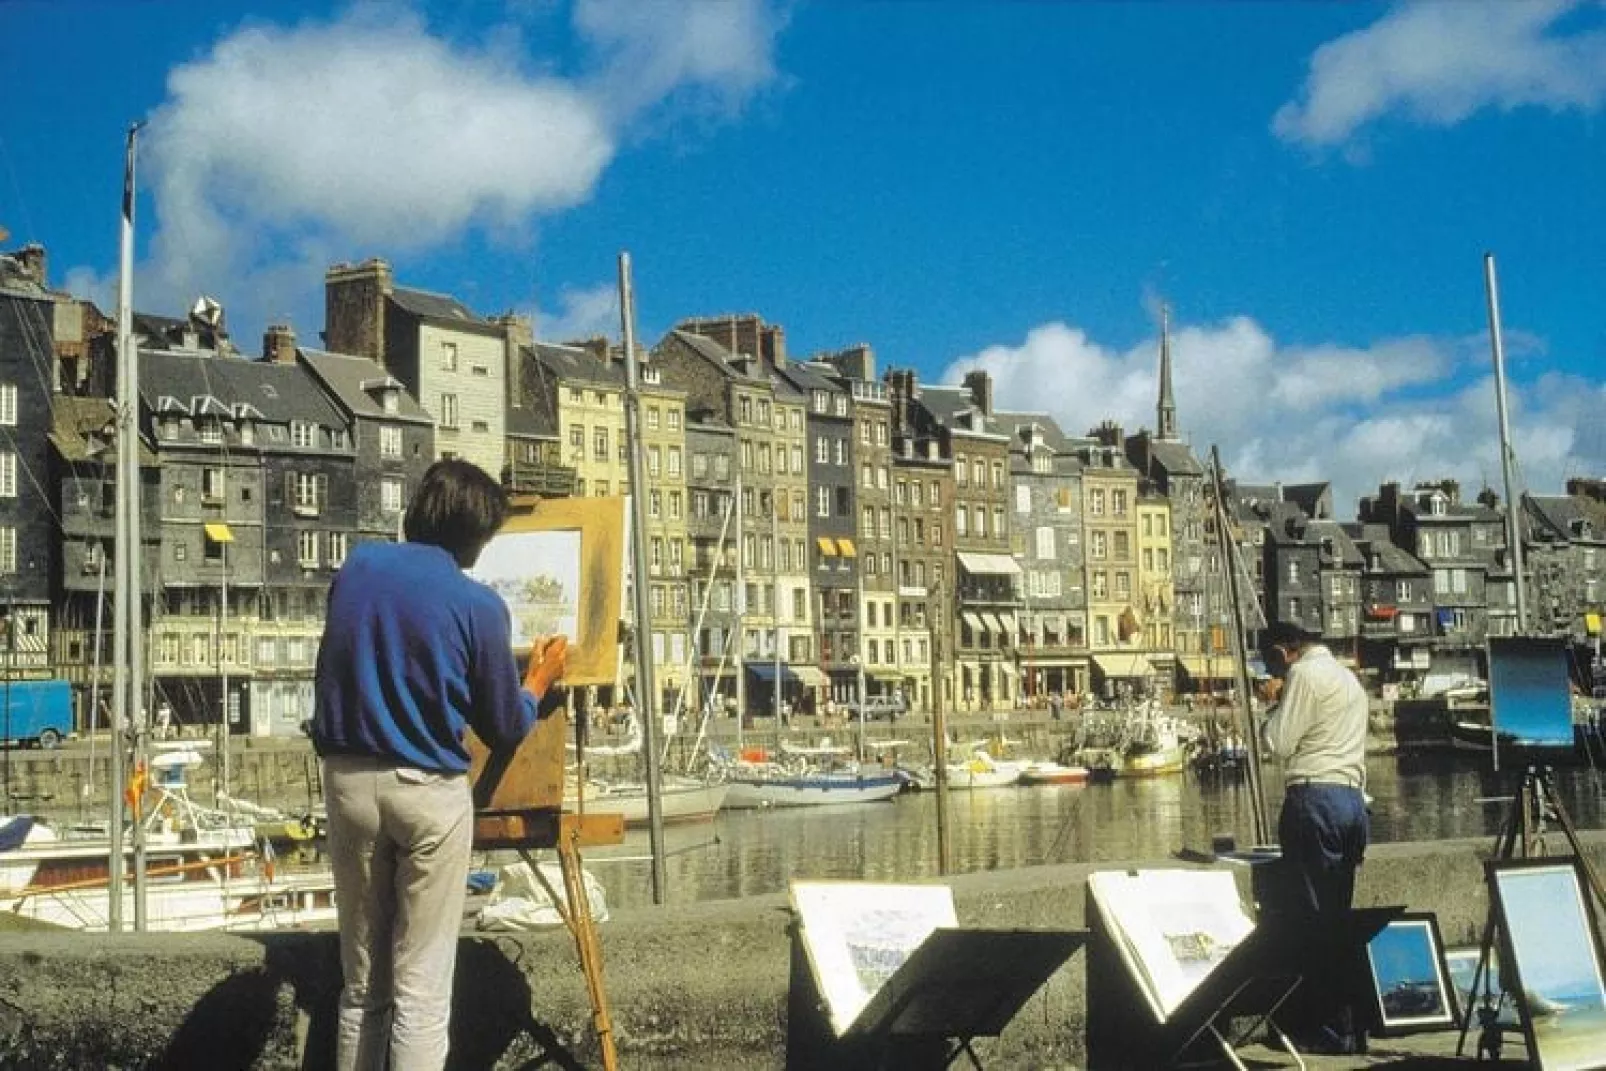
(399, 840)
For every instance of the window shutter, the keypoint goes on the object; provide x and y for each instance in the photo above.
(289, 489)
(323, 490)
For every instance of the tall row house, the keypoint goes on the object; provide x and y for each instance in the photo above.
(923, 463)
(712, 556)
(882, 640)
(1046, 482)
(987, 594)
(739, 389)
(1396, 628)
(452, 360)
(28, 326)
(1110, 524)
(1565, 546)
(832, 550)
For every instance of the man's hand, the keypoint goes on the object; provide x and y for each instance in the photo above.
(1270, 689)
(548, 658)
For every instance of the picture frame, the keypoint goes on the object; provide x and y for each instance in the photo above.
(559, 564)
(1411, 985)
(1551, 959)
(1462, 963)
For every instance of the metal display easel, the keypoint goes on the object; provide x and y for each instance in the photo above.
(1522, 837)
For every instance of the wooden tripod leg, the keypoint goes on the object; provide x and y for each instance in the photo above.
(584, 929)
(1570, 831)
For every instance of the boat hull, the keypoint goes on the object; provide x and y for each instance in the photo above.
(1169, 760)
(1053, 773)
(751, 793)
(998, 775)
(680, 803)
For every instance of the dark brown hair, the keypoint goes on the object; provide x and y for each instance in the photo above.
(458, 507)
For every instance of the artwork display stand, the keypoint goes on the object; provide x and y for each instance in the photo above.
(1236, 1002)
(955, 986)
(1522, 837)
(518, 801)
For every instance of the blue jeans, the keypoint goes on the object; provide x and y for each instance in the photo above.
(1323, 831)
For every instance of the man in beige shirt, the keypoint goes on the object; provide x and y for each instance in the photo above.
(1317, 731)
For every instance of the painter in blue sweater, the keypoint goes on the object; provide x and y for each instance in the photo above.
(414, 652)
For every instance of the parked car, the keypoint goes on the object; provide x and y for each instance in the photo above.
(876, 707)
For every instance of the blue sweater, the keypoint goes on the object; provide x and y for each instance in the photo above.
(413, 652)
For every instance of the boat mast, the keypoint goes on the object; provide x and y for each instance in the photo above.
(128, 643)
(1227, 546)
(646, 689)
(1507, 455)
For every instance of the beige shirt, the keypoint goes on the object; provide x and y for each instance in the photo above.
(1318, 728)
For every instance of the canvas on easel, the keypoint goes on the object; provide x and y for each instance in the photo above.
(559, 564)
(899, 983)
(1176, 967)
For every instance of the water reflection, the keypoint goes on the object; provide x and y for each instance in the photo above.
(748, 853)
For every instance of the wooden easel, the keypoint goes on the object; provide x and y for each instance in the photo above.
(518, 803)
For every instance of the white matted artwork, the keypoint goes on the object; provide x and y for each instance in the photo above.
(1173, 926)
(538, 576)
(857, 934)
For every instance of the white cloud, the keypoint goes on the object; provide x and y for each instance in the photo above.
(1398, 409)
(1440, 62)
(583, 312)
(286, 147)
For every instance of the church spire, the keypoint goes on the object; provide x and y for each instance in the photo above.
(1166, 411)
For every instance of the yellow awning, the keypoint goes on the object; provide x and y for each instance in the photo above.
(1215, 667)
(1123, 665)
(219, 533)
(846, 549)
(1592, 624)
(827, 546)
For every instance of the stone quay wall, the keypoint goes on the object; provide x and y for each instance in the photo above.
(694, 986)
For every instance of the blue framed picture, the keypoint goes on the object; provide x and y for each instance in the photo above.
(1551, 961)
(1410, 981)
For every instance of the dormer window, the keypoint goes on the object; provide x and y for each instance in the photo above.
(389, 400)
(1436, 505)
(211, 430)
(303, 433)
(248, 433)
(821, 400)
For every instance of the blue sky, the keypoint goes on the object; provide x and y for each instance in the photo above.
(1310, 187)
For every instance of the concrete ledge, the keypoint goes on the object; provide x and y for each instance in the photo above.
(697, 986)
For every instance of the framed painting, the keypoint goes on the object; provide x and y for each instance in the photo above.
(559, 564)
(1462, 963)
(1410, 980)
(1551, 961)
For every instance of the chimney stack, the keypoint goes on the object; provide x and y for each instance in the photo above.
(354, 308)
(518, 334)
(980, 385)
(34, 263)
(279, 344)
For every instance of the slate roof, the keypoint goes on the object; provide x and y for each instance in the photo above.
(1567, 516)
(1176, 458)
(718, 355)
(354, 382)
(192, 382)
(806, 378)
(953, 406)
(79, 423)
(439, 307)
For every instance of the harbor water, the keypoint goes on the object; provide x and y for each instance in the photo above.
(748, 853)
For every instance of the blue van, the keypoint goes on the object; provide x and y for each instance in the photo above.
(35, 713)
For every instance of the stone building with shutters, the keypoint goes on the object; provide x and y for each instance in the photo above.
(922, 462)
(453, 361)
(1046, 506)
(1110, 541)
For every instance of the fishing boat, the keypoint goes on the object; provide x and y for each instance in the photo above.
(1053, 773)
(206, 870)
(982, 770)
(813, 784)
(681, 799)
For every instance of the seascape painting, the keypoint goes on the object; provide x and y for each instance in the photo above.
(1409, 977)
(1555, 962)
(538, 576)
(1529, 698)
(1462, 965)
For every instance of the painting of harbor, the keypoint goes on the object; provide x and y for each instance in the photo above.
(1555, 963)
(1408, 976)
(538, 576)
